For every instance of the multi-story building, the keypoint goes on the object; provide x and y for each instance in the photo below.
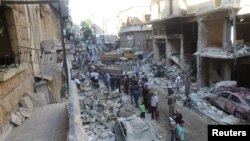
(209, 37)
(133, 29)
(28, 33)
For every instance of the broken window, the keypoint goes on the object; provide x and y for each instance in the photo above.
(235, 99)
(247, 101)
(225, 95)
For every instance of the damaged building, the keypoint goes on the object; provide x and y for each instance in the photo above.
(208, 38)
(24, 63)
(133, 32)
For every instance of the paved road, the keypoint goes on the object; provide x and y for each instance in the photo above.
(47, 123)
(195, 124)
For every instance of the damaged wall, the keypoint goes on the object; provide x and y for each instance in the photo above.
(11, 91)
(27, 27)
(138, 41)
(43, 25)
(213, 32)
(55, 86)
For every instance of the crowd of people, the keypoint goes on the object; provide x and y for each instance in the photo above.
(176, 121)
(145, 100)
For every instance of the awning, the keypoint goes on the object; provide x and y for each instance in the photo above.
(214, 53)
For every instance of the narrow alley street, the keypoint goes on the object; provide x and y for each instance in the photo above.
(195, 123)
(124, 70)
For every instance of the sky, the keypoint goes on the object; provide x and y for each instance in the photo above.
(100, 10)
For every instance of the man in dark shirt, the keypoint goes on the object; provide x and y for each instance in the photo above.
(178, 116)
(118, 83)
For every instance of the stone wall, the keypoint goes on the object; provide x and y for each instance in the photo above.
(43, 25)
(11, 91)
(27, 27)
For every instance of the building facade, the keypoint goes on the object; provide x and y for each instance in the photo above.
(206, 37)
(133, 31)
(23, 28)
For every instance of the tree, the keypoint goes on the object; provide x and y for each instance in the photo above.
(86, 29)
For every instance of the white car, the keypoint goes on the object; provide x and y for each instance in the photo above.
(134, 129)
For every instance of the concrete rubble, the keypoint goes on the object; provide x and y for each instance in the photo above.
(38, 99)
(225, 85)
(199, 102)
(25, 112)
(242, 50)
(15, 119)
(26, 102)
(99, 109)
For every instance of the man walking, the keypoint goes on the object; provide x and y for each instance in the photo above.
(171, 103)
(135, 95)
(154, 104)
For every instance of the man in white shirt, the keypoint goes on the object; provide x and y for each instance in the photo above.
(78, 83)
(177, 82)
(154, 104)
(92, 76)
(96, 77)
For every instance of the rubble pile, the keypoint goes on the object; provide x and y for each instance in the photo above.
(199, 103)
(98, 110)
(157, 74)
(242, 50)
(27, 103)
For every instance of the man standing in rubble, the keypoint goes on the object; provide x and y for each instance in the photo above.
(106, 78)
(126, 84)
(177, 83)
(118, 83)
(96, 77)
(135, 94)
(112, 82)
(145, 95)
(78, 83)
(187, 84)
(171, 103)
(154, 104)
(92, 76)
(169, 85)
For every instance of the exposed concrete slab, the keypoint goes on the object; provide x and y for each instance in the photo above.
(47, 123)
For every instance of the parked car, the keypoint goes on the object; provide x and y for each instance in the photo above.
(233, 103)
(134, 129)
